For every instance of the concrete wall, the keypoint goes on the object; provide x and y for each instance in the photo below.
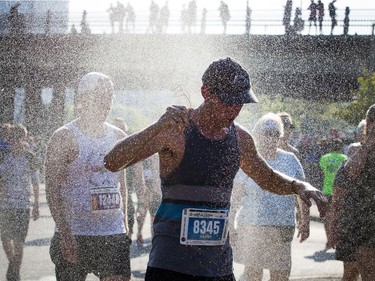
(311, 67)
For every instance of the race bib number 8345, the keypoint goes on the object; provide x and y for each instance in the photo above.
(204, 227)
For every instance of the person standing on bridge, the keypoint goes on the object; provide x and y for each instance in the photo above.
(224, 15)
(130, 18)
(200, 152)
(312, 17)
(87, 202)
(332, 14)
(287, 16)
(320, 9)
(346, 21)
(153, 17)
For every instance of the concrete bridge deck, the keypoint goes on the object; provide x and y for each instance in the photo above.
(322, 68)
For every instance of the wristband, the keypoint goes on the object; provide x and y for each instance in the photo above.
(293, 184)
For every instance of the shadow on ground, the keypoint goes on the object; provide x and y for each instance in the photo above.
(38, 242)
(322, 256)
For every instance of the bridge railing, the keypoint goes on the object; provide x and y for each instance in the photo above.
(262, 22)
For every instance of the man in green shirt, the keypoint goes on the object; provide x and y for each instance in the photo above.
(330, 164)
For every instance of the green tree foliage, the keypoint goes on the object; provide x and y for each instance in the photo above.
(355, 111)
(310, 117)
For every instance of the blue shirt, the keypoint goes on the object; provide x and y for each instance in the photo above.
(261, 207)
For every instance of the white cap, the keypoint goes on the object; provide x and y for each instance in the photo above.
(268, 122)
(92, 81)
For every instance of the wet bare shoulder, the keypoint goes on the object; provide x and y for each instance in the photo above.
(246, 141)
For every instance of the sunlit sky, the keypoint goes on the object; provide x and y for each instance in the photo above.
(262, 10)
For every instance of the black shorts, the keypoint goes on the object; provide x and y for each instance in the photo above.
(14, 224)
(158, 274)
(103, 256)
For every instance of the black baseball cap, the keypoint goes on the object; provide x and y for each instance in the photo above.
(229, 81)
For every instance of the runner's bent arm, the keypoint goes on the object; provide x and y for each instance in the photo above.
(149, 141)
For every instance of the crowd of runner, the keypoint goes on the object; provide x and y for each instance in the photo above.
(183, 168)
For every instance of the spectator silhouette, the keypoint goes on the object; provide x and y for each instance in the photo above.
(248, 18)
(130, 19)
(154, 15)
(298, 22)
(112, 17)
(332, 14)
(224, 15)
(85, 29)
(184, 18)
(120, 13)
(16, 21)
(312, 17)
(204, 21)
(287, 16)
(164, 18)
(320, 9)
(117, 14)
(73, 30)
(346, 21)
(191, 15)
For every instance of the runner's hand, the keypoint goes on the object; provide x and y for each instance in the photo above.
(307, 192)
(176, 116)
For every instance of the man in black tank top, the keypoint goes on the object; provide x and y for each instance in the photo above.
(200, 152)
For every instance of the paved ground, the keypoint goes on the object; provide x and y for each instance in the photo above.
(310, 261)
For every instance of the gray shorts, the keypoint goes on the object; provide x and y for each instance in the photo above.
(103, 256)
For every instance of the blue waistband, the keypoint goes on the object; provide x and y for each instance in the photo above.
(170, 210)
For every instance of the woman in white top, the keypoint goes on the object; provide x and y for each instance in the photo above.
(266, 221)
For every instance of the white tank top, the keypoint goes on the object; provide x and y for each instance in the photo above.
(91, 196)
